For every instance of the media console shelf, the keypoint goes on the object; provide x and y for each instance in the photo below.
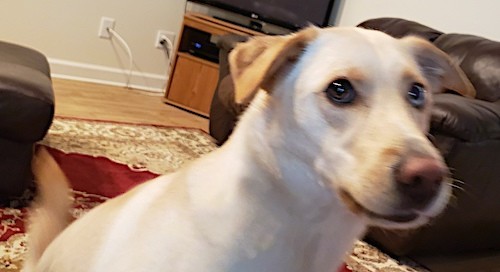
(194, 77)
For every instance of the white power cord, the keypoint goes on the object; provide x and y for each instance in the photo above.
(168, 46)
(129, 52)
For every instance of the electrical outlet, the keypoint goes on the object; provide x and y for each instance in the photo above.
(106, 23)
(169, 35)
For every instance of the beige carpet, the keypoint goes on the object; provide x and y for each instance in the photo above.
(144, 148)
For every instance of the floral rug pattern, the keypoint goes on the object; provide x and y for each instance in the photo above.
(142, 147)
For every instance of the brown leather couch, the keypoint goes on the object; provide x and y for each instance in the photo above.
(27, 109)
(467, 131)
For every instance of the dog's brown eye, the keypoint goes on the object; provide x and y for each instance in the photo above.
(341, 91)
(416, 95)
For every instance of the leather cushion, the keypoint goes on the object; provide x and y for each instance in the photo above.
(464, 118)
(26, 96)
(27, 119)
(399, 28)
(20, 55)
(479, 58)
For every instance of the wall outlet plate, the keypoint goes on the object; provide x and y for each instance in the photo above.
(106, 23)
(168, 34)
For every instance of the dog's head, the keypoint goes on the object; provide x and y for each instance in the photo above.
(356, 103)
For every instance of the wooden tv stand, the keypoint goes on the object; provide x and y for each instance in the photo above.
(193, 79)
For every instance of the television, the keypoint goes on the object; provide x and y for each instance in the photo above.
(291, 14)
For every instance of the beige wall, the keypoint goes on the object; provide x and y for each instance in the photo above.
(66, 31)
(460, 16)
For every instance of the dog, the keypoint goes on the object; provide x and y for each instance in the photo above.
(334, 140)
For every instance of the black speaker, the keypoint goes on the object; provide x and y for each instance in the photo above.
(199, 43)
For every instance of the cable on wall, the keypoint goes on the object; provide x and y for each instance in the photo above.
(129, 53)
(169, 48)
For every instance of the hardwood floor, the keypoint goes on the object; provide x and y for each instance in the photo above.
(102, 102)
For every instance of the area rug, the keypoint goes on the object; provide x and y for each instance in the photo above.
(105, 159)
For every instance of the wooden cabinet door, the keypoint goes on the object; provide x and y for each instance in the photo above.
(193, 83)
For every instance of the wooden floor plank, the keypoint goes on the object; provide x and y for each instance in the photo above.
(109, 103)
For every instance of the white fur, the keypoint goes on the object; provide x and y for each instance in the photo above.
(268, 199)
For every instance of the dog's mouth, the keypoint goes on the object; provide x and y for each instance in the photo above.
(357, 208)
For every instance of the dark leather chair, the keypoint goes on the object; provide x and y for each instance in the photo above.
(27, 109)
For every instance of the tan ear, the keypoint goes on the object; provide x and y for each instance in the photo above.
(437, 65)
(255, 64)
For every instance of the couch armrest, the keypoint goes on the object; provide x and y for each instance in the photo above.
(467, 119)
(224, 111)
(399, 28)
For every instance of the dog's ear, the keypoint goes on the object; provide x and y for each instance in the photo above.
(439, 68)
(255, 64)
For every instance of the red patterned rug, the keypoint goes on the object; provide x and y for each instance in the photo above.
(103, 160)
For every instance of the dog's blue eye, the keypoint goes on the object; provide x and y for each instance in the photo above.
(416, 95)
(341, 91)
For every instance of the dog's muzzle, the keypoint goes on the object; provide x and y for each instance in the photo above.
(418, 182)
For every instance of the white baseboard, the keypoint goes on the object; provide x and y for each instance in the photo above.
(106, 75)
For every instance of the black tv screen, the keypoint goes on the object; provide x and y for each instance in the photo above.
(288, 13)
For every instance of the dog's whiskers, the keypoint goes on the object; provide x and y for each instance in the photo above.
(458, 181)
(461, 184)
(460, 189)
(457, 187)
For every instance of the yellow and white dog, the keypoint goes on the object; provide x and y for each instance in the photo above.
(333, 141)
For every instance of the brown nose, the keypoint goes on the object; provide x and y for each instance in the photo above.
(418, 180)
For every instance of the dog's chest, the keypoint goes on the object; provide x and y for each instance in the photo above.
(293, 246)
(262, 223)
(268, 233)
